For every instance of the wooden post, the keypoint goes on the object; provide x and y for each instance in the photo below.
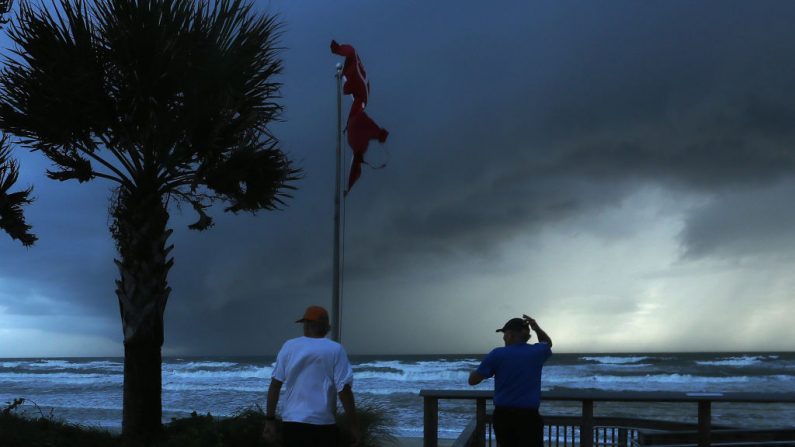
(431, 421)
(480, 425)
(586, 427)
(622, 437)
(704, 423)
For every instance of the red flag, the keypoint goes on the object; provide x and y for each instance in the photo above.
(355, 76)
(361, 128)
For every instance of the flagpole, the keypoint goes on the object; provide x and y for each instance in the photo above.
(336, 329)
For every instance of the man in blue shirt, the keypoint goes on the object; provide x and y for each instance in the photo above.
(516, 369)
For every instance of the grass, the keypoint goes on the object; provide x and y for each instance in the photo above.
(244, 429)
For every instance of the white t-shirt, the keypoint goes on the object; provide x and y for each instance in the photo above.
(313, 371)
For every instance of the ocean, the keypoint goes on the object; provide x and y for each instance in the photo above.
(88, 391)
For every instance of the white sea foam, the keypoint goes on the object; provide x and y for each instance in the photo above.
(102, 364)
(48, 364)
(654, 378)
(387, 391)
(261, 387)
(200, 365)
(414, 376)
(38, 365)
(10, 364)
(658, 382)
(252, 372)
(423, 371)
(60, 378)
(736, 361)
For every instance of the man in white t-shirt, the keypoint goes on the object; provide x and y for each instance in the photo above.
(313, 369)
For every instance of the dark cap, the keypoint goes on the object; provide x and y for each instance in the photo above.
(514, 324)
(314, 313)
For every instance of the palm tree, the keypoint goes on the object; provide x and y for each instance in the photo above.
(12, 219)
(169, 100)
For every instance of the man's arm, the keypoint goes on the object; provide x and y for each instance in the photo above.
(269, 432)
(475, 378)
(542, 336)
(273, 398)
(349, 405)
(484, 371)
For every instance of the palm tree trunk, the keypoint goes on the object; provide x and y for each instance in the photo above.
(139, 229)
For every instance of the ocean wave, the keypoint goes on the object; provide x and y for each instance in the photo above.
(414, 376)
(201, 365)
(376, 369)
(60, 378)
(381, 391)
(422, 371)
(49, 364)
(219, 387)
(611, 366)
(670, 382)
(57, 404)
(613, 360)
(782, 377)
(252, 372)
(665, 378)
(63, 365)
(10, 364)
(465, 364)
(747, 360)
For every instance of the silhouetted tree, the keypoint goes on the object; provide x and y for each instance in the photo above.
(170, 101)
(12, 219)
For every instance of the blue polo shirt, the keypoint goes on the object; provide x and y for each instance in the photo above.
(517, 374)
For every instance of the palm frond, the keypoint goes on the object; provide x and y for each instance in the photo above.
(5, 7)
(12, 218)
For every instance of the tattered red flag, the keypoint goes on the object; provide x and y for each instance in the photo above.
(361, 128)
(356, 83)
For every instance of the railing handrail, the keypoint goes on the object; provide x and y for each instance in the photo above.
(625, 396)
(588, 397)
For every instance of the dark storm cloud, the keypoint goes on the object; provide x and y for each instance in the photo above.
(572, 118)
(503, 119)
(744, 224)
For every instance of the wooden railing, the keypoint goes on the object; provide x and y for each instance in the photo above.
(587, 424)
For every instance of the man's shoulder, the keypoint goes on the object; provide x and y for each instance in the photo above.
(542, 349)
(498, 351)
(540, 346)
(291, 343)
(314, 343)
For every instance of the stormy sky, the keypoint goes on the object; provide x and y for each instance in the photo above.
(622, 171)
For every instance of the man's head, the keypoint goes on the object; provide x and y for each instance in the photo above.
(515, 331)
(315, 321)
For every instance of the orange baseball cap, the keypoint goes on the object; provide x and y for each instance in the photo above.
(314, 313)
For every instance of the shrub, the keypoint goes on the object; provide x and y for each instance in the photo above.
(244, 429)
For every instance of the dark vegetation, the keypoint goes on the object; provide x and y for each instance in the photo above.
(39, 429)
